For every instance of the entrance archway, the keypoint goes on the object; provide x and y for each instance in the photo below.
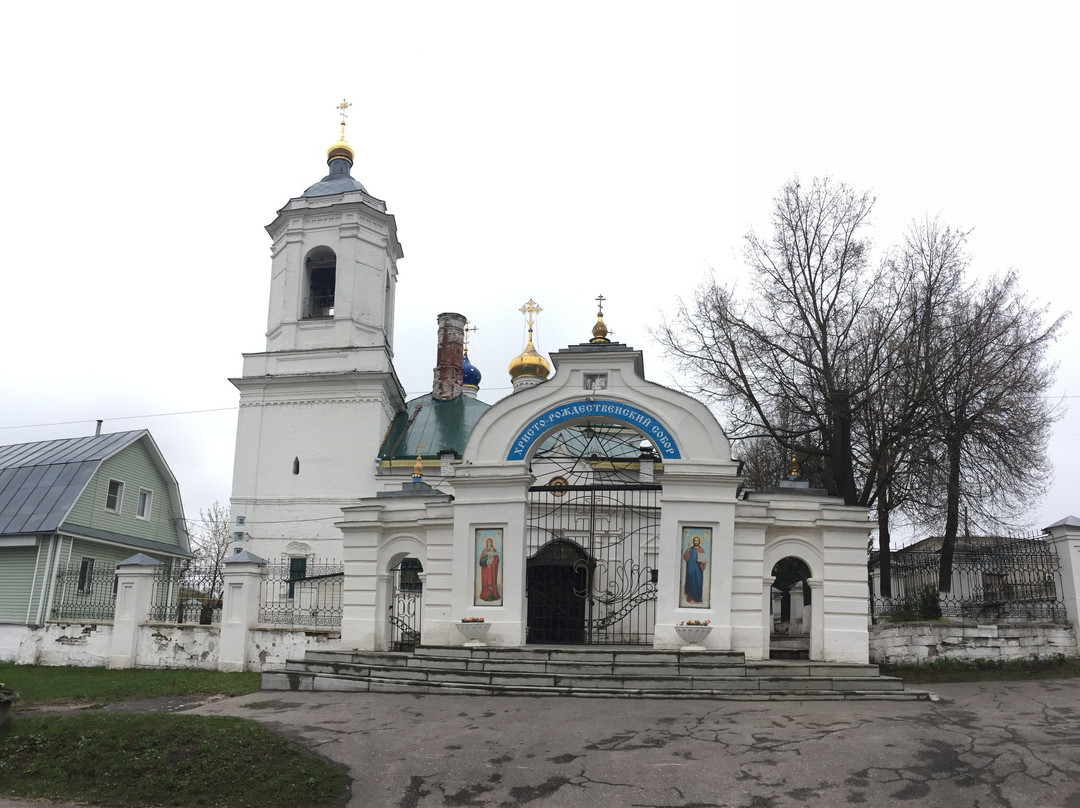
(556, 579)
(592, 533)
(789, 637)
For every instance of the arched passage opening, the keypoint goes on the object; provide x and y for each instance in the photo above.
(790, 610)
(592, 536)
(406, 601)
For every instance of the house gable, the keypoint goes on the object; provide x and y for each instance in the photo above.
(134, 474)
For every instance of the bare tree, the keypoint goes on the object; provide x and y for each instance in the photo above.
(893, 382)
(895, 421)
(211, 535)
(791, 363)
(991, 415)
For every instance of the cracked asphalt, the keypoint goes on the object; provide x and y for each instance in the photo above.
(980, 745)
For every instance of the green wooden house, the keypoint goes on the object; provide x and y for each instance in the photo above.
(70, 510)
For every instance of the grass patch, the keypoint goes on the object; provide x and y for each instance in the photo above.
(38, 684)
(943, 670)
(163, 760)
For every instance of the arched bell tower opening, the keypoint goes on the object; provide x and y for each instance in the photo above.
(592, 535)
(320, 283)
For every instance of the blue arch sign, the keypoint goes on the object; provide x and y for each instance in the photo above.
(609, 410)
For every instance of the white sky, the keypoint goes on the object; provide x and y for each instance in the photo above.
(555, 151)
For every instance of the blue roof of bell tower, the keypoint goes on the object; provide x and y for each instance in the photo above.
(338, 181)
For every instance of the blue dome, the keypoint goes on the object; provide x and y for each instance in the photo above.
(470, 374)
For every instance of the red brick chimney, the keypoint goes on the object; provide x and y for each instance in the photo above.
(447, 384)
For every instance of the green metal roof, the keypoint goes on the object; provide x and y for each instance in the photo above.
(439, 425)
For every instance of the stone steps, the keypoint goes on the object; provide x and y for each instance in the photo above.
(615, 673)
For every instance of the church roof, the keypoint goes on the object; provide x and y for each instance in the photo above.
(439, 425)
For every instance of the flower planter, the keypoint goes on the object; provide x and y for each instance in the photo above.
(693, 636)
(474, 634)
(7, 700)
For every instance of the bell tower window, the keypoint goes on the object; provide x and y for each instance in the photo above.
(320, 274)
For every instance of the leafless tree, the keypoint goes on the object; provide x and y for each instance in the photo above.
(894, 424)
(790, 362)
(210, 535)
(891, 380)
(991, 417)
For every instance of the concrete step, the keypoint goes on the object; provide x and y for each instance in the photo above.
(762, 690)
(602, 673)
(731, 678)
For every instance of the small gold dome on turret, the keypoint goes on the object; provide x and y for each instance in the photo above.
(529, 364)
(340, 148)
(600, 330)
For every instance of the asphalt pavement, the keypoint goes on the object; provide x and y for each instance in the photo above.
(993, 744)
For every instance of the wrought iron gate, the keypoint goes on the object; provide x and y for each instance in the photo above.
(591, 574)
(405, 611)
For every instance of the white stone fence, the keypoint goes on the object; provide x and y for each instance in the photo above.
(132, 639)
(920, 643)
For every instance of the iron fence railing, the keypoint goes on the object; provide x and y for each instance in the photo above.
(993, 579)
(84, 591)
(299, 593)
(187, 592)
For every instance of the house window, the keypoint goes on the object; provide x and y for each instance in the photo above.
(297, 572)
(146, 501)
(86, 576)
(115, 498)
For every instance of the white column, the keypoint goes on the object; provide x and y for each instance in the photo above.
(242, 574)
(134, 590)
(766, 620)
(384, 605)
(817, 619)
(1065, 538)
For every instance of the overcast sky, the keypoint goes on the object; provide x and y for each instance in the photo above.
(555, 151)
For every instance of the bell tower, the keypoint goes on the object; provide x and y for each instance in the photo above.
(316, 403)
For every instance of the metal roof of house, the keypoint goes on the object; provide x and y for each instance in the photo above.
(41, 481)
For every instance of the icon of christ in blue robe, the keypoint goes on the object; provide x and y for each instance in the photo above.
(694, 556)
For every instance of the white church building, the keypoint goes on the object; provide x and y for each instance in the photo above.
(588, 507)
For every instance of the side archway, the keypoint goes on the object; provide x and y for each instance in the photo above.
(792, 604)
(402, 582)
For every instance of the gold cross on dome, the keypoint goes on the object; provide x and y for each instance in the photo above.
(468, 327)
(419, 449)
(529, 309)
(344, 105)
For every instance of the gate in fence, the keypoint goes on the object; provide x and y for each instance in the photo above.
(405, 605)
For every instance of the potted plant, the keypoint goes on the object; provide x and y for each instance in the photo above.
(8, 697)
(474, 629)
(693, 633)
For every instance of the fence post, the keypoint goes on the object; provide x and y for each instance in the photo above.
(242, 574)
(1065, 537)
(134, 592)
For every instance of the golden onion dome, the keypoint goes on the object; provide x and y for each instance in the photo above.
(600, 331)
(529, 364)
(340, 149)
